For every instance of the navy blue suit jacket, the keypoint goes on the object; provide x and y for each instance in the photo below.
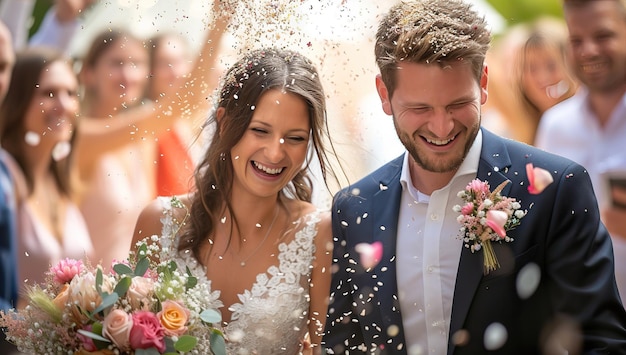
(562, 234)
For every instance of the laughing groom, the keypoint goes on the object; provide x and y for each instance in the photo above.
(467, 243)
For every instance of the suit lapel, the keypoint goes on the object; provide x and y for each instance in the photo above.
(494, 159)
(386, 204)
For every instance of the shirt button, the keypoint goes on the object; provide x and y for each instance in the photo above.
(434, 216)
(430, 269)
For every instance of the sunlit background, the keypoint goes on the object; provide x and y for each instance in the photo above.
(337, 35)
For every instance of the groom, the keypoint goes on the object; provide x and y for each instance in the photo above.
(553, 289)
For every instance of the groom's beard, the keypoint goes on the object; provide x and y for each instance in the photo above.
(430, 161)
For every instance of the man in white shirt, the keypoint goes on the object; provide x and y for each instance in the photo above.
(590, 127)
(545, 285)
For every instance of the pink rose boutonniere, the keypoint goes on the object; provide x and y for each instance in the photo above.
(485, 217)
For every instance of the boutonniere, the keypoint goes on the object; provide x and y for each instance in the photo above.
(486, 215)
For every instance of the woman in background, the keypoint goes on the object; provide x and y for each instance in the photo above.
(38, 125)
(543, 78)
(528, 74)
(116, 181)
(116, 152)
(180, 147)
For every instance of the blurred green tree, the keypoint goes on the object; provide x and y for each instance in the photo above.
(40, 9)
(516, 11)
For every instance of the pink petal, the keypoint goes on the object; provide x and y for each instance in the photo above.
(538, 179)
(531, 175)
(496, 221)
(370, 253)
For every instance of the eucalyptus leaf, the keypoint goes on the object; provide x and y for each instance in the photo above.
(192, 281)
(142, 267)
(141, 252)
(185, 343)
(122, 269)
(218, 345)
(108, 300)
(122, 286)
(151, 351)
(210, 316)
(96, 328)
(169, 346)
(93, 335)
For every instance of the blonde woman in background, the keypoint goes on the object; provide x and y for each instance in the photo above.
(543, 77)
(527, 75)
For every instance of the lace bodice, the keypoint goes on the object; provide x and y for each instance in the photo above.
(271, 316)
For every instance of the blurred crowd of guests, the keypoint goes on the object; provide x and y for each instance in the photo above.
(87, 144)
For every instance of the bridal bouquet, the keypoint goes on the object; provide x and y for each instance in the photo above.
(143, 306)
(485, 217)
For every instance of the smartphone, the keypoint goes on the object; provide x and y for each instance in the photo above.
(620, 182)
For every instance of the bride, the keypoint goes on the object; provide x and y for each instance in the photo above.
(250, 226)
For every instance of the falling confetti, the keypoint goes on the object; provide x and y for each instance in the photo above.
(528, 280)
(495, 336)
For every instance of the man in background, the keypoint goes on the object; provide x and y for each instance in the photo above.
(590, 127)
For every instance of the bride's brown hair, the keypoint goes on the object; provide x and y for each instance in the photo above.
(241, 88)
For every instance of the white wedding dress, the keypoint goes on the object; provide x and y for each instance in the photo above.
(271, 317)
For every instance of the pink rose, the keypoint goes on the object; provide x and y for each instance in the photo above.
(116, 327)
(147, 332)
(140, 293)
(65, 270)
(173, 317)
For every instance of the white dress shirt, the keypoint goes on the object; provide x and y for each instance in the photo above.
(572, 130)
(428, 252)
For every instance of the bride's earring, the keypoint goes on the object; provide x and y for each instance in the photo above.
(61, 150)
(32, 138)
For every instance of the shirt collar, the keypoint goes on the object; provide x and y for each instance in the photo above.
(468, 167)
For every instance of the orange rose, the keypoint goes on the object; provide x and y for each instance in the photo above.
(173, 318)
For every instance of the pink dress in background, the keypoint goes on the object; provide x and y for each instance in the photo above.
(38, 248)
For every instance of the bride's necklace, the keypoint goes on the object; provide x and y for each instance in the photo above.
(267, 233)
